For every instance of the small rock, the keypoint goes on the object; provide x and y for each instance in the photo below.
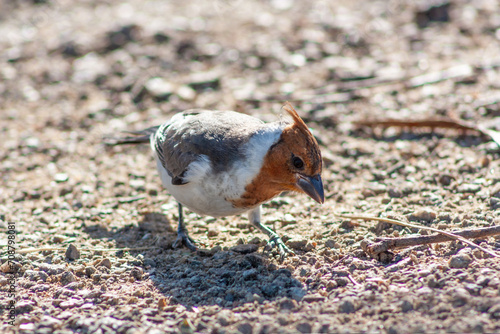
(61, 177)
(90, 270)
(395, 193)
(445, 179)
(250, 274)
(245, 328)
(245, 248)
(426, 215)
(270, 290)
(460, 261)
(304, 327)
(159, 88)
(137, 273)
(67, 277)
(224, 317)
(406, 306)
(494, 311)
(347, 306)
(72, 253)
(24, 306)
(10, 267)
(105, 263)
(330, 243)
(297, 293)
(302, 245)
(469, 188)
(287, 304)
(494, 203)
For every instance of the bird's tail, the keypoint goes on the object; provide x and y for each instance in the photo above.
(139, 137)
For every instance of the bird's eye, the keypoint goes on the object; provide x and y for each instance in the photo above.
(297, 162)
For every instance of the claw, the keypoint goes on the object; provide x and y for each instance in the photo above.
(184, 238)
(275, 241)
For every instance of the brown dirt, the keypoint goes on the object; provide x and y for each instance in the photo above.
(73, 72)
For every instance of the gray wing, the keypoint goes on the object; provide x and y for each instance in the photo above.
(220, 135)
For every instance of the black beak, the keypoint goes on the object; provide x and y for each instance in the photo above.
(313, 186)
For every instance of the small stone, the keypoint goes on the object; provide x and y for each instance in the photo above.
(72, 253)
(162, 303)
(304, 327)
(494, 311)
(67, 277)
(469, 188)
(159, 88)
(426, 215)
(302, 245)
(347, 306)
(90, 270)
(270, 290)
(250, 274)
(137, 273)
(494, 203)
(330, 243)
(61, 177)
(10, 267)
(105, 263)
(245, 328)
(460, 261)
(406, 306)
(245, 248)
(297, 293)
(24, 307)
(287, 304)
(395, 193)
(445, 179)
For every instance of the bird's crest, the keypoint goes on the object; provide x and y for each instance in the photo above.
(298, 122)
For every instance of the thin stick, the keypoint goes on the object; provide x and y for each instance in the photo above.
(433, 122)
(384, 244)
(400, 223)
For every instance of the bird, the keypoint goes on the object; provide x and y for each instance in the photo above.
(223, 163)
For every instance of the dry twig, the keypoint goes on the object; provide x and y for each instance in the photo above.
(374, 249)
(432, 123)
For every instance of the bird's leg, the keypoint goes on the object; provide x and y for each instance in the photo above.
(182, 234)
(274, 238)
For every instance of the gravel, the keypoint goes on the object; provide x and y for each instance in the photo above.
(76, 72)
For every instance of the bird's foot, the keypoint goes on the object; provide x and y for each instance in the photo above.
(276, 242)
(184, 238)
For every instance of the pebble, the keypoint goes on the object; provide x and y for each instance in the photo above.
(460, 261)
(24, 306)
(159, 88)
(245, 248)
(297, 293)
(287, 304)
(426, 215)
(61, 177)
(469, 188)
(347, 306)
(105, 263)
(67, 277)
(304, 327)
(10, 267)
(245, 328)
(72, 253)
(301, 245)
(250, 274)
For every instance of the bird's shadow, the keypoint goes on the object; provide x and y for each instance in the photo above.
(224, 277)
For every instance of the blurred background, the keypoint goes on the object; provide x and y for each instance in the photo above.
(75, 63)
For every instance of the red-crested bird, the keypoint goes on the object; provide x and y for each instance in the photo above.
(223, 163)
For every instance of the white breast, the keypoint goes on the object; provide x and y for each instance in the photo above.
(208, 192)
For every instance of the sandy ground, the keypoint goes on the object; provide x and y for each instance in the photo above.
(73, 72)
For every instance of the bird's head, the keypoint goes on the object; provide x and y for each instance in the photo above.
(294, 162)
